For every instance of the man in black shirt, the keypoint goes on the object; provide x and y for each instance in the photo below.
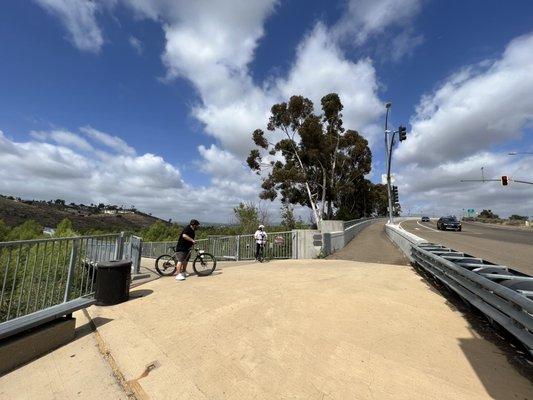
(183, 248)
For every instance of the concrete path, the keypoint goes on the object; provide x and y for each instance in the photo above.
(372, 245)
(75, 371)
(309, 329)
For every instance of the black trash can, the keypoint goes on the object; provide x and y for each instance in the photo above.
(113, 282)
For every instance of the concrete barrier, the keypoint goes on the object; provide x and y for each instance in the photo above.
(403, 239)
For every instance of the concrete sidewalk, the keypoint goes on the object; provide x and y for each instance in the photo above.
(317, 329)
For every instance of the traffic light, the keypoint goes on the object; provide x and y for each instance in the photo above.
(402, 133)
(395, 198)
(505, 180)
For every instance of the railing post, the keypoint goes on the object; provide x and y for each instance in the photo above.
(238, 247)
(119, 247)
(136, 253)
(71, 267)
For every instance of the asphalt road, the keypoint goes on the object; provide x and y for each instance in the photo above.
(508, 246)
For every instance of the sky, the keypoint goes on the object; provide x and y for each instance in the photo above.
(152, 103)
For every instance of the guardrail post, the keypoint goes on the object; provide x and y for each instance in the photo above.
(71, 267)
(119, 247)
(294, 244)
(237, 257)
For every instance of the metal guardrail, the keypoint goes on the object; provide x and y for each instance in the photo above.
(37, 274)
(239, 247)
(501, 293)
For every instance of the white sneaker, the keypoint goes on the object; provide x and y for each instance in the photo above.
(185, 274)
(180, 277)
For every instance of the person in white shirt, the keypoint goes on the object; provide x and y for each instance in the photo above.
(260, 237)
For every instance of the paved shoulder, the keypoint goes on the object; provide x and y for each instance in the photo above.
(372, 245)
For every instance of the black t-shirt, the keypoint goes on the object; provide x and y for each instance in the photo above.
(184, 244)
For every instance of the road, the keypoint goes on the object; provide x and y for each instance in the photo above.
(508, 246)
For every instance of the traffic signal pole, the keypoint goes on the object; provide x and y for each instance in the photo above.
(388, 147)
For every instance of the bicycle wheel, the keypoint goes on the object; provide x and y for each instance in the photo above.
(165, 265)
(204, 264)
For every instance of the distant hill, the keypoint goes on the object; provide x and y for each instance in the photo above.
(84, 218)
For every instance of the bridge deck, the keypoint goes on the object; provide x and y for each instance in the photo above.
(321, 329)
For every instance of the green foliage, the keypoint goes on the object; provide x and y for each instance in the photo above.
(488, 214)
(516, 217)
(321, 162)
(4, 231)
(287, 216)
(64, 229)
(160, 231)
(247, 216)
(26, 231)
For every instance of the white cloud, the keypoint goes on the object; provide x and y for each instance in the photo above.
(457, 129)
(63, 137)
(113, 142)
(364, 18)
(389, 20)
(136, 44)
(79, 18)
(474, 109)
(355, 82)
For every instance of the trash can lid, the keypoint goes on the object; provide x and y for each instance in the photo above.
(114, 264)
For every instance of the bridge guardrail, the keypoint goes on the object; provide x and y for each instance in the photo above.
(37, 274)
(501, 293)
(237, 247)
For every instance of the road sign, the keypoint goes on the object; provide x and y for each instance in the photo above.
(279, 240)
(471, 212)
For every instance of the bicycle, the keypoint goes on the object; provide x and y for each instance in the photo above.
(203, 264)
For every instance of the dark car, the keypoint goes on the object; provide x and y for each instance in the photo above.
(425, 219)
(445, 223)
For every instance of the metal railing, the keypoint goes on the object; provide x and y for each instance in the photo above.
(501, 293)
(239, 247)
(37, 274)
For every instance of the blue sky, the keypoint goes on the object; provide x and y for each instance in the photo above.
(151, 103)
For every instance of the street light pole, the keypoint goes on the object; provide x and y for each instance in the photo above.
(388, 148)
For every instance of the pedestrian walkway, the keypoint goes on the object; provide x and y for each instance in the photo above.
(313, 329)
(372, 245)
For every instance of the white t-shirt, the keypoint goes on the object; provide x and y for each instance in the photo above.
(260, 236)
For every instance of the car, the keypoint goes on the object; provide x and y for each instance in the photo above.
(450, 222)
(424, 219)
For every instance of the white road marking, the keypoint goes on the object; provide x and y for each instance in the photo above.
(417, 228)
(427, 227)
(400, 225)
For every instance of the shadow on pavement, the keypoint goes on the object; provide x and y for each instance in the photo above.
(488, 374)
(90, 326)
(474, 349)
(135, 294)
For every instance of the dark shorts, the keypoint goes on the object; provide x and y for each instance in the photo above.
(183, 256)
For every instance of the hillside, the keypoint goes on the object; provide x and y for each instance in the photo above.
(14, 212)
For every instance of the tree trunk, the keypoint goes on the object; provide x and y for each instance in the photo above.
(323, 202)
